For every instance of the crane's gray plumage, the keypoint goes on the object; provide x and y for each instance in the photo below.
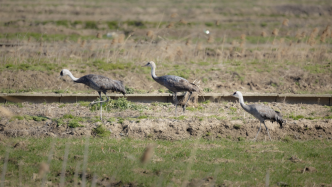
(174, 84)
(261, 112)
(99, 83)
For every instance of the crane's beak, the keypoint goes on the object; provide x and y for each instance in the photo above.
(145, 65)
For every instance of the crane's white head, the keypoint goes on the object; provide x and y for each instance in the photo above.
(65, 72)
(150, 64)
(237, 94)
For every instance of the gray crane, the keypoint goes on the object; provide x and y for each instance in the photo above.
(174, 84)
(261, 112)
(98, 83)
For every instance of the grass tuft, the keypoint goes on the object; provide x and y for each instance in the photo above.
(237, 126)
(180, 118)
(39, 118)
(101, 131)
(74, 124)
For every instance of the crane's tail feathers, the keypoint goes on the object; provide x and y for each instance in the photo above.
(198, 89)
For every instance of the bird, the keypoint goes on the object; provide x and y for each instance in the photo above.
(174, 84)
(99, 83)
(261, 112)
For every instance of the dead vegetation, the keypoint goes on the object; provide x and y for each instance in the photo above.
(266, 50)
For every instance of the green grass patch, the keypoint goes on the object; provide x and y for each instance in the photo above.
(39, 118)
(232, 109)
(68, 116)
(142, 117)
(62, 105)
(218, 117)
(44, 37)
(178, 161)
(34, 65)
(318, 68)
(185, 73)
(19, 105)
(112, 120)
(84, 103)
(60, 91)
(292, 116)
(237, 126)
(91, 25)
(207, 90)
(101, 131)
(180, 118)
(74, 123)
(328, 117)
(59, 121)
(134, 91)
(206, 102)
(193, 109)
(241, 139)
(17, 117)
(121, 120)
(203, 63)
(64, 23)
(123, 104)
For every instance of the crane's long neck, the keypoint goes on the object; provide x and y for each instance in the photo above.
(244, 106)
(72, 76)
(153, 72)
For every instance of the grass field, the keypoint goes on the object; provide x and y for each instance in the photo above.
(252, 46)
(274, 46)
(29, 161)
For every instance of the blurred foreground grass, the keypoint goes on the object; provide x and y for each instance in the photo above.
(174, 163)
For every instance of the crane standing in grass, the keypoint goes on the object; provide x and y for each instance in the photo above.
(174, 84)
(98, 83)
(261, 112)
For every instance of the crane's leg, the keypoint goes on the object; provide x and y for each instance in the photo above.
(175, 99)
(260, 126)
(94, 102)
(267, 130)
(184, 106)
(101, 107)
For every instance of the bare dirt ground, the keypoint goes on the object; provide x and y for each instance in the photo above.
(213, 120)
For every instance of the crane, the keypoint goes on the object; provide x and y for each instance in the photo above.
(99, 83)
(174, 84)
(261, 112)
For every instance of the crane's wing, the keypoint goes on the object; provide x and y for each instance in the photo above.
(176, 83)
(102, 83)
(265, 112)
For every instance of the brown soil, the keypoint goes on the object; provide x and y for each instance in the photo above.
(164, 126)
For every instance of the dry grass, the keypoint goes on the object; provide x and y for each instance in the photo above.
(176, 42)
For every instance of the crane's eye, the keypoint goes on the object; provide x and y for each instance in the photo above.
(234, 93)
